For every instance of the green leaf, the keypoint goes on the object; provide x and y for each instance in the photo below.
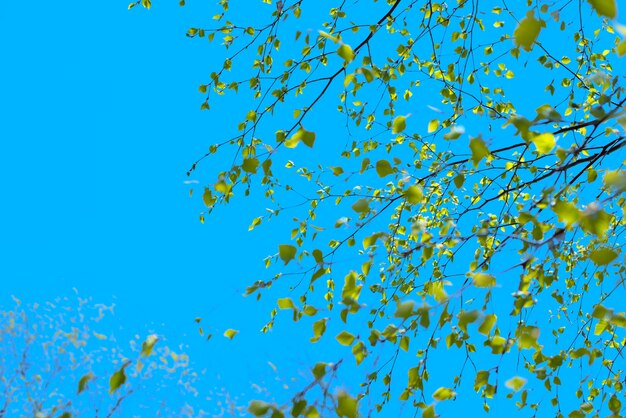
(566, 212)
(347, 406)
(516, 383)
(544, 143)
(302, 135)
(399, 124)
(250, 116)
(345, 338)
(487, 324)
(479, 150)
(482, 379)
(250, 165)
(405, 309)
(286, 303)
(615, 405)
(230, 333)
(319, 328)
(621, 48)
(383, 168)
(118, 378)
(82, 383)
(459, 179)
(148, 345)
(414, 195)
(258, 408)
(346, 52)
(286, 252)
(603, 256)
(606, 8)
(337, 171)
(429, 412)
(527, 31)
(146, 3)
(319, 370)
(443, 394)
(361, 206)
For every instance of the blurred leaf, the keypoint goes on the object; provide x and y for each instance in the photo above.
(148, 344)
(399, 124)
(383, 168)
(527, 31)
(516, 383)
(286, 252)
(606, 8)
(230, 333)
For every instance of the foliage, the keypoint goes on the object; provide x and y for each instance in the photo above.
(414, 184)
(55, 363)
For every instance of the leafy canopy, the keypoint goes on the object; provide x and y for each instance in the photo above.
(466, 158)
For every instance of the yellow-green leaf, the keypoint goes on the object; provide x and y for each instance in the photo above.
(487, 324)
(544, 143)
(286, 303)
(361, 206)
(479, 150)
(230, 333)
(118, 378)
(433, 125)
(615, 180)
(250, 165)
(148, 345)
(516, 383)
(443, 394)
(286, 252)
(346, 52)
(606, 8)
(82, 383)
(347, 406)
(345, 338)
(603, 256)
(258, 408)
(527, 31)
(383, 168)
(483, 280)
(399, 124)
(414, 194)
(404, 309)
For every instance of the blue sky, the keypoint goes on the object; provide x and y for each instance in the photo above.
(100, 122)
